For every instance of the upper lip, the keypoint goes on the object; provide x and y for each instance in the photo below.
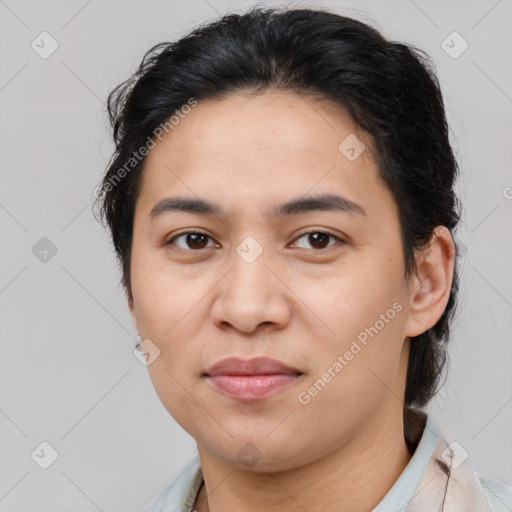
(254, 366)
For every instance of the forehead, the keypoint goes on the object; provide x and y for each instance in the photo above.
(284, 122)
(249, 149)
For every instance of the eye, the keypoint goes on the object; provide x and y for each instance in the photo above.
(318, 239)
(193, 239)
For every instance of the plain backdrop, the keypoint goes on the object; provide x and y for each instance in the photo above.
(68, 374)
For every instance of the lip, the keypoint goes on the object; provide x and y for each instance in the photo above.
(254, 366)
(252, 379)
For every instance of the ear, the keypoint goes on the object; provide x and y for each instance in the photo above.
(430, 285)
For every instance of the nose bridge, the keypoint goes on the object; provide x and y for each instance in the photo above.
(250, 275)
(249, 292)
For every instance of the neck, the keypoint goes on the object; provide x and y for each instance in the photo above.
(354, 477)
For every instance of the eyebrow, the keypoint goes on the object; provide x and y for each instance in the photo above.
(322, 202)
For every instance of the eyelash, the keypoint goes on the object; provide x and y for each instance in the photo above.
(337, 238)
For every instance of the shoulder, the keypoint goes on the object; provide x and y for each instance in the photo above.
(498, 494)
(181, 492)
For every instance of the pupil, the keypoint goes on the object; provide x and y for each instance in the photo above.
(192, 239)
(316, 239)
(320, 235)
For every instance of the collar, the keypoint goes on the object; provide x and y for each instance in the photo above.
(447, 484)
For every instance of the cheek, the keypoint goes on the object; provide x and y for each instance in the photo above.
(176, 393)
(163, 297)
(364, 312)
(168, 315)
(357, 299)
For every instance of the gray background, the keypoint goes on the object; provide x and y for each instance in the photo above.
(68, 374)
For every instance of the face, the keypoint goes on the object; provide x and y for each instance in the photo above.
(318, 287)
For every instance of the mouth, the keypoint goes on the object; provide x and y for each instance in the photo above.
(253, 379)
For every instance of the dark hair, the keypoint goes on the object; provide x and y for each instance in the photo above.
(389, 89)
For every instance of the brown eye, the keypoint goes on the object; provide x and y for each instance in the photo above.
(319, 239)
(192, 240)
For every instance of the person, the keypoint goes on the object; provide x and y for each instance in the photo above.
(281, 200)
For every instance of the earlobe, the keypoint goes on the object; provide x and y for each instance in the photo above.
(133, 313)
(430, 286)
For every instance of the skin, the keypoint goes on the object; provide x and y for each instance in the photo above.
(301, 302)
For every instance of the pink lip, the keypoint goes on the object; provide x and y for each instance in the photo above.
(250, 379)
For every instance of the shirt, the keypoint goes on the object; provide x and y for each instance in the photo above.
(437, 478)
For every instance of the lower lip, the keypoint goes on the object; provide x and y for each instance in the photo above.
(251, 387)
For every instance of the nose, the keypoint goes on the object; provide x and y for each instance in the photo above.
(251, 294)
